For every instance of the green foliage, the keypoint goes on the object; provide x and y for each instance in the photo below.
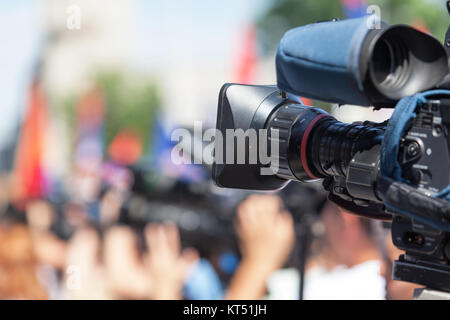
(430, 12)
(131, 103)
(286, 14)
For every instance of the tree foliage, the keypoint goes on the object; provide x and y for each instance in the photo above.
(131, 104)
(283, 15)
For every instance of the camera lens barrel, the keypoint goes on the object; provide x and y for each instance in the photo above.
(294, 123)
(314, 145)
(334, 144)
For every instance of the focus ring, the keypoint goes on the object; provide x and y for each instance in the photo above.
(279, 132)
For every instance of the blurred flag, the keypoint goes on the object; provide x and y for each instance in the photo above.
(306, 101)
(247, 60)
(420, 25)
(28, 173)
(89, 151)
(161, 156)
(21, 32)
(160, 142)
(247, 57)
(89, 126)
(354, 8)
(126, 148)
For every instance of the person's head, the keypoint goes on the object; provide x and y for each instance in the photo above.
(347, 236)
(395, 290)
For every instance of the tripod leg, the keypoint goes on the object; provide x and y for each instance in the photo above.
(303, 239)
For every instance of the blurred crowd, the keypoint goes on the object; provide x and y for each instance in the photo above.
(62, 250)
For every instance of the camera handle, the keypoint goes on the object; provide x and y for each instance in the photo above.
(430, 294)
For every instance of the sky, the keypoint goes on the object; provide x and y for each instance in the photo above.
(21, 35)
(206, 27)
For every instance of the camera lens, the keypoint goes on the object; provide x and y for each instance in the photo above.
(315, 145)
(400, 61)
(390, 64)
(382, 61)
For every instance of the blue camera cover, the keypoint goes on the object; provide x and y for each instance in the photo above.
(321, 61)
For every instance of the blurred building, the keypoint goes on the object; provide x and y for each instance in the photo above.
(104, 40)
(188, 47)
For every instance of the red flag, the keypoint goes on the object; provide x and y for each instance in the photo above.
(126, 148)
(28, 171)
(306, 101)
(420, 25)
(247, 57)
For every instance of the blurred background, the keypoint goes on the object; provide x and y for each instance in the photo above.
(91, 91)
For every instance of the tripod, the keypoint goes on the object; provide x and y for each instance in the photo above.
(304, 238)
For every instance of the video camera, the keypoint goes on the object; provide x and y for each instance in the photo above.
(397, 170)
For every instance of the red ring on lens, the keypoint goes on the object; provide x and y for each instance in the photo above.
(305, 142)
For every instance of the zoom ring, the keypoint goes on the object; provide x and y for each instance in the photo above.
(282, 121)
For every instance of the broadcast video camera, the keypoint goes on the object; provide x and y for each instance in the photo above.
(397, 170)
